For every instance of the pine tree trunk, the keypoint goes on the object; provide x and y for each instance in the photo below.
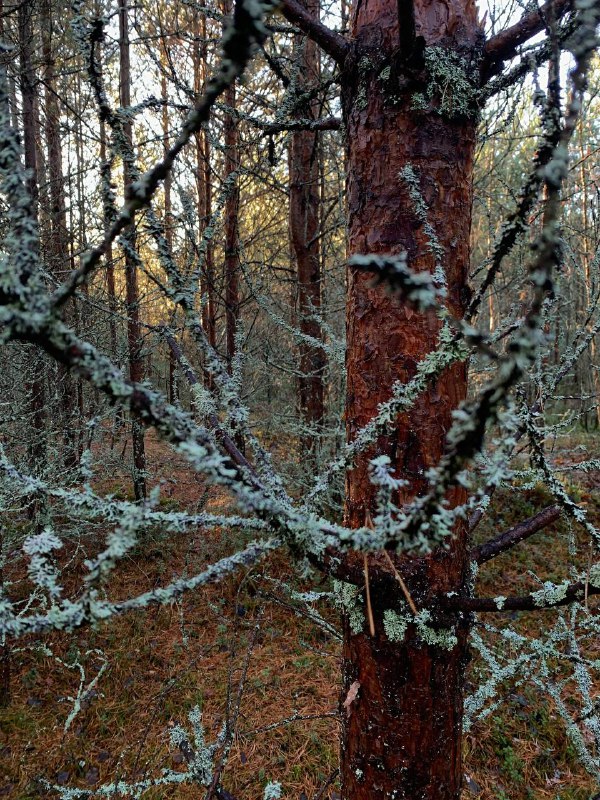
(204, 186)
(304, 236)
(35, 388)
(168, 212)
(134, 330)
(5, 649)
(232, 233)
(232, 207)
(57, 249)
(232, 256)
(402, 732)
(110, 267)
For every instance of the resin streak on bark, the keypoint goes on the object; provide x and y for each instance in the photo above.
(402, 736)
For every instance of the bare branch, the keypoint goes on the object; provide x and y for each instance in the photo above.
(331, 42)
(504, 45)
(324, 124)
(533, 59)
(572, 593)
(511, 537)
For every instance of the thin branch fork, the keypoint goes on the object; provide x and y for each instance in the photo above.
(504, 45)
(331, 42)
(504, 541)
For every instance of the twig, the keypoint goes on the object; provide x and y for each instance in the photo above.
(403, 586)
(504, 541)
(368, 594)
(321, 793)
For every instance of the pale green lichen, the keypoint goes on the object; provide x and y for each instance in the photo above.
(452, 89)
(441, 637)
(550, 594)
(272, 791)
(594, 576)
(385, 73)
(412, 181)
(394, 625)
(347, 598)
(364, 66)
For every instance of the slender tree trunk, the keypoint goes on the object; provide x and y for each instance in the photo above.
(5, 654)
(5, 649)
(35, 388)
(232, 229)
(402, 732)
(204, 185)
(232, 204)
(57, 249)
(168, 219)
(111, 291)
(593, 375)
(134, 330)
(110, 267)
(209, 309)
(304, 235)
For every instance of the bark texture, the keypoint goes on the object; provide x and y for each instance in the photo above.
(402, 733)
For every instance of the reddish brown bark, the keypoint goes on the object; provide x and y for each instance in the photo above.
(402, 737)
(134, 329)
(304, 236)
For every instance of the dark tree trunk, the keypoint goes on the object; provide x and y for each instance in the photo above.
(232, 255)
(110, 266)
(134, 330)
(57, 248)
(304, 235)
(111, 291)
(232, 247)
(232, 230)
(168, 217)
(204, 187)
(5, 654)
(36, 387)
(402, 733)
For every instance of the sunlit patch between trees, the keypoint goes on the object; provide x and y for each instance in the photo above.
(299, 308)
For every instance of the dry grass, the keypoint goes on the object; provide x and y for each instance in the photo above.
(163, 662)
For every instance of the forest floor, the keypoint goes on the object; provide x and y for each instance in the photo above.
(153, 667)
